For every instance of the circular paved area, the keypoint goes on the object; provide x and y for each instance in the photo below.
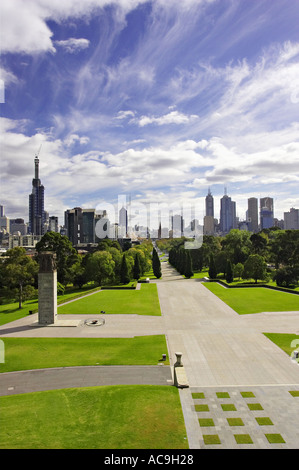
(222, 351)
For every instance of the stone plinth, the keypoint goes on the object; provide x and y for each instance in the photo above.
(47, 290)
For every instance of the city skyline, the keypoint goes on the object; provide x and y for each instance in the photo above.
(158, 100)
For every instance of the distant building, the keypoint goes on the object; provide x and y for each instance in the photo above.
(4, 224)
(123, 222)
(53, 224)
(291, 219)
(252, 214)
(208, 225)
(209, 204)
(18, 226)
(177, 226)
(266, 212)
(228, 219)
(26, 241)
(80, 225)
(36, 204)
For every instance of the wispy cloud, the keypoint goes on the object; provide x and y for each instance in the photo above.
(73, 45)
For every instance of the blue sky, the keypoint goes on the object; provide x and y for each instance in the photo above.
(156, 100)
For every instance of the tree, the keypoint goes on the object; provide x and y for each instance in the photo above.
(66, 255)
(137, 269)
(255, 268)
(20, 271)
(238, 270)
(286, 277)
(229, 276)
(156, 264)
(212, 268)
(259, 243)
(100, 267)
(188, 265)
(124, 271)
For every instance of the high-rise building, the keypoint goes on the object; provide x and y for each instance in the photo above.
(252, 214)
(36, 203)
(53, 224)
(209, 204)
(266, 212)
(228, 219)
(80, 225)
(209, 222)
(123, 223)
(291, 219)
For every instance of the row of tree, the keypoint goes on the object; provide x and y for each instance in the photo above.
(109, 264)
(244, 255)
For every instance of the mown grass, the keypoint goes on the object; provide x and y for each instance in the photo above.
(109, 417)
(39, 353)
(284, 341)
(140, 302)
(254, 299)
(10, 311)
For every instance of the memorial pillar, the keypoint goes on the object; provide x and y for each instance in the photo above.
(47, 289)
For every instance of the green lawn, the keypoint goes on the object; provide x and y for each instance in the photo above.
(141, 302)
(11, 312)
(109, 417)
(284, 341)
(39, 353)
(254, 299)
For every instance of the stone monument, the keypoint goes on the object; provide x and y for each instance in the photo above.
(47, 289)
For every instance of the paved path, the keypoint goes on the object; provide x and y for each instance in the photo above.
(222, 351)
(86, 376)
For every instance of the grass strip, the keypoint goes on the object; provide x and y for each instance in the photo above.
(211, 439)
(275, 438)
(94, 418)
(39, 353)
(243, 439)
(255, 299)
(139, 302)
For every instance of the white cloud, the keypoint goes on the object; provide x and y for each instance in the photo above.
(73, 138)
(73, 45)
(174, 117)
(27, 20)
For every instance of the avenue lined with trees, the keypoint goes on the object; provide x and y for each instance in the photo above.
(269, 256)
(272, 254)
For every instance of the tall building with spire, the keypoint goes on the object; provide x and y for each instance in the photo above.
(209, 222)
(209, 204)
(228, 219)
(36, 203)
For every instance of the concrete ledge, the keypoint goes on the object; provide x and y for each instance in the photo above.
(180, 378)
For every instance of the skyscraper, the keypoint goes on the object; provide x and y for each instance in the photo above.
(80, 225)
(209, 222)
(266, 212)
(123, 223)
(252, 214)
(291, 219)
(36, 203)
(209, 204)
(227, 214)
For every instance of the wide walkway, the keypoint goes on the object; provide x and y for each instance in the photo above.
(221, 352)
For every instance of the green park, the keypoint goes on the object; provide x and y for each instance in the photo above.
(112, 281)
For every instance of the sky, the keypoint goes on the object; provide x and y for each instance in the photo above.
(156, 101)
